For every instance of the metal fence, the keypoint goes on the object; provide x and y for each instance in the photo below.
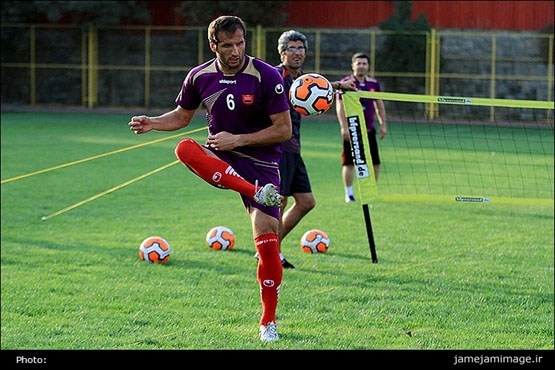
(70, 66)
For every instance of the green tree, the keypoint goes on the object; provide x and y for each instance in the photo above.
(406, 50)
(265, 13)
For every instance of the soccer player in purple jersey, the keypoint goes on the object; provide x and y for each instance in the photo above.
(247, 112)
(292, 47)
(360, 65)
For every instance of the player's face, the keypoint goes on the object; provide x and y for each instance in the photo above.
(230, 51)
(360, 66)
(294, 54)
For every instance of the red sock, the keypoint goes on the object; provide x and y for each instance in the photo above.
(211, 169)
(269, 275)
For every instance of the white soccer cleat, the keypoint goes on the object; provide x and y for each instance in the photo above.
(269, 332)
(268, 196)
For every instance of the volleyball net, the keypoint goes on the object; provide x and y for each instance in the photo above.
(456, 149)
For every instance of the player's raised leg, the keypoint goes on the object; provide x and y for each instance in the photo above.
(220, 174)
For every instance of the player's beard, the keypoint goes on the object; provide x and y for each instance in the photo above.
(360, 73)
(232, 63)
(295, 63)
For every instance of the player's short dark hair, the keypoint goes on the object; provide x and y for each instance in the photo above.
(360, 55)
(290, 35)
(227, 24)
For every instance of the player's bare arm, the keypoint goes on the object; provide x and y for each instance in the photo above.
(382, 118)
(340, 110)
(345, 86)
(278, 132)
(170, 121)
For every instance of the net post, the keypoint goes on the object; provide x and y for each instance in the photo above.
(370, 233)
(362, 159)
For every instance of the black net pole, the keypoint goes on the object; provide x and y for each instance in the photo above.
(370, 233)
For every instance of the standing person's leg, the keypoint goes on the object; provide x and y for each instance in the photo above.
(265, 230)
(269, 272)
(304, 203)
(347, 171)
(294, 182)
(374, 153)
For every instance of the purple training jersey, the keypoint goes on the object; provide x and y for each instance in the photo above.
(369, 84)
(239, 104)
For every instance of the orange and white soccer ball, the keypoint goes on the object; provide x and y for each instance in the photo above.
(220, 238)
(155, 249)
(315, 241)
(311, 94)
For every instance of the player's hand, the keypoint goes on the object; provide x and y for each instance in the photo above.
(345, 134)
(140, 124)
(348, 85)
(223, 141)
(383, 131)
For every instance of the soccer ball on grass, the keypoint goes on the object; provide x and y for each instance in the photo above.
(220, 238)
(315, 241)
(311, 94)
(155, 249)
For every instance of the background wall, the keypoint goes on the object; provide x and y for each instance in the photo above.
(483, 15)
(90, 64)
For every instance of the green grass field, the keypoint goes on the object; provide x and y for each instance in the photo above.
(450, 275)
